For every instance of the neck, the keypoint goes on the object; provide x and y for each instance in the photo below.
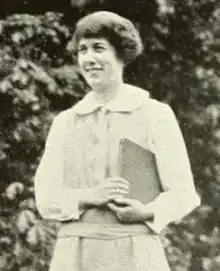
(106, 93)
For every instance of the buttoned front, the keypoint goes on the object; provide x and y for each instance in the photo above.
(82, 149)
(92, 124)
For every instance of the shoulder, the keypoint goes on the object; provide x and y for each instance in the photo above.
(146, 99)
(151, 105)
(157, 110)
(161, 117)
(137, 92)
(158, 107)
(162, 114)
(62, 117)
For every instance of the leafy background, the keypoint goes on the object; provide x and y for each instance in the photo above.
(39, 78)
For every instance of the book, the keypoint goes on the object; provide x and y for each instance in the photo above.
(138, 165)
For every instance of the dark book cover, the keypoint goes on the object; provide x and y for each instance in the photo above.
(138, 165)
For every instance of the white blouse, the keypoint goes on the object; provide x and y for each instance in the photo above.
(84, 139)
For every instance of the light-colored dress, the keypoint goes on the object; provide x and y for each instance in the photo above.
(81, 150)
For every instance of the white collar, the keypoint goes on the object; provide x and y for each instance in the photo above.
(129, 99)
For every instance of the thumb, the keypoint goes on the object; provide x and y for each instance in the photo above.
(112, 206)
(124, 201)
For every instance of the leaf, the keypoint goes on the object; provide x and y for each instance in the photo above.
(28, 204)
(3, 261)
(17, 38)
(13, 190)
(35, 235)
(5, 86)
(79, 3)
(25, 220)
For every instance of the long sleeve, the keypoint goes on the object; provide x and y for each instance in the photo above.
(179, 197)
(52, 199)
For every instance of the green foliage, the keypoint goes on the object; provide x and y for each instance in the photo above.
(38, 78)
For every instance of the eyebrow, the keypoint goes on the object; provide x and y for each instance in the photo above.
(99, 43)
(94, 43)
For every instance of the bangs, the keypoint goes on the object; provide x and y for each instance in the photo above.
(99, 24)
(119, 31)
(93, 30)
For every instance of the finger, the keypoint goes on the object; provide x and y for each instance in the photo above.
(121, 205)
(125, 201)
(113, 207)
(118, 193)
(119, 209)
(120, 179)
(117, 179)
(114, 193)
(118, 186)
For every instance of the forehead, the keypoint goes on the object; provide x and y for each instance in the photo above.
(91, 41)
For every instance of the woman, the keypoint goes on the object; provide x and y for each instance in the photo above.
(77, 181)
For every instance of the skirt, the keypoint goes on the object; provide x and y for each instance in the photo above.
(135, 253)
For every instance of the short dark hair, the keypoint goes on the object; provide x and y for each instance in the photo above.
(119, 31)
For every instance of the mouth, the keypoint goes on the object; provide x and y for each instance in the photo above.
(93, 69)
(94, 73)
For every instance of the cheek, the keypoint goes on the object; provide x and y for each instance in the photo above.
(112, 64)
(79, 61)
(112, 68)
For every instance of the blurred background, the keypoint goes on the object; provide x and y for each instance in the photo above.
(39, 78)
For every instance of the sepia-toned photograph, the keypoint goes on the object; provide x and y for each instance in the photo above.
(109, 135)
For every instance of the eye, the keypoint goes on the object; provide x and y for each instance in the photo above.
(81, 50)
(99, 48)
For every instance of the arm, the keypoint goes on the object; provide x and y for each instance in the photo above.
(52, 199)
(179, 196)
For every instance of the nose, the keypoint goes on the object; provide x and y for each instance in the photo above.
(89, 56)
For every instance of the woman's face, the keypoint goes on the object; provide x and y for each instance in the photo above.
(98, 62)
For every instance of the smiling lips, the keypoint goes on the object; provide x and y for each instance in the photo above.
(93, 69)
(93, 72)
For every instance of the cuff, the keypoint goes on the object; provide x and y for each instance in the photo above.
(70, 205)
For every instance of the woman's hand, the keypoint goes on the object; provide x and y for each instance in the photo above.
(110, 189)
(130, 211)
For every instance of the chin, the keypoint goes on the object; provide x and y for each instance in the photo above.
(95, 83)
